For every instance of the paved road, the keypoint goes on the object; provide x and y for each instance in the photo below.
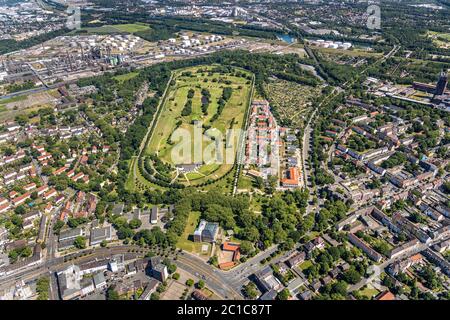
(213, 278)
(227, 284)
(58, 264)
(307, 134)
(239, 275)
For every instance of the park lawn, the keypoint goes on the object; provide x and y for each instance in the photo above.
(245, 182)
(131, 179)
(125, 77)
(194, 175)
(440, 34)
(138, 182)
(313, 234)
(216, 175)
(184, 241)
(173, 104)
(208, 168)
(177, 98)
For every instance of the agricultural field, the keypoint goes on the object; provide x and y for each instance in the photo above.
(291, 101)
(199, 98)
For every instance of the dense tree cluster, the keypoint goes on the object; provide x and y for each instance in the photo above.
(206, 100)
(396, 159)
(226, 95)
(9, 45)
(187, 109)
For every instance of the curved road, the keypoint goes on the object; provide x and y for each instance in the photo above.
(214, 278)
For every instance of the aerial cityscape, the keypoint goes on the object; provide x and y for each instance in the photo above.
(224, 150)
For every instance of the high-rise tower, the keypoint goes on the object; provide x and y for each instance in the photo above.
(441, 85)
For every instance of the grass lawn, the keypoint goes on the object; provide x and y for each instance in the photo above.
(106, 29)
(138, 182)
(194, 176)
(132, 27)
(232, 116)
(305, 265)
(245, 182)
(184, 241)
(255, 205)
(224, 184)
(369, 292)
(313, 234)
(131, 179)
(208, 168)
(10, 114)
(125, 77)
(353, 53)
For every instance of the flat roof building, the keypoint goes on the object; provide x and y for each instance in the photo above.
(69, 283)
(206, 231)
(100, 234)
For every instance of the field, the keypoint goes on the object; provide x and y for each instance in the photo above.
(442, 40)
(131, 27)
(305, 265)
(117, 28)
(172, 123)
(13, 99)
(369, 292)
(126, 76)
(353, 53)
(24, 104)
(135, 181)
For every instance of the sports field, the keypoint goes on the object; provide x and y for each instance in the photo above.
(190, 84)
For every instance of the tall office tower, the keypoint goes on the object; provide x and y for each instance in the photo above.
(441, 85)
